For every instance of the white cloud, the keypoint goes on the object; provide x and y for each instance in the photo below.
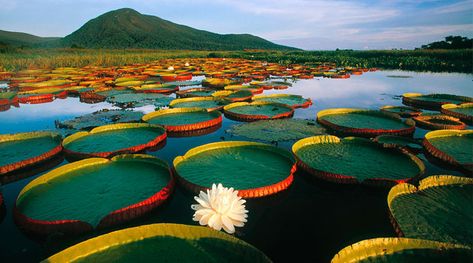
(416, 32)
(454, 8)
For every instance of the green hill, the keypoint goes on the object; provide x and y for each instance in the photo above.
(8, 38)
(126, 28)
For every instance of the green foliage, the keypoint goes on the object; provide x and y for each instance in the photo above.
(416, 60)
(451, 42)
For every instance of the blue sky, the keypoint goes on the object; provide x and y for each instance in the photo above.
(307, 24)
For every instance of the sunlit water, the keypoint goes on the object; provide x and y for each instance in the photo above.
(312, 220)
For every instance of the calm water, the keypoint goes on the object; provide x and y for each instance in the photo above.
(310, 221)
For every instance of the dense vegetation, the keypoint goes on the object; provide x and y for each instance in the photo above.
(451, 42)
(19, 59)
(417, 60)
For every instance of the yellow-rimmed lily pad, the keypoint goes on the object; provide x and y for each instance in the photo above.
(439, 209)
(162, 243)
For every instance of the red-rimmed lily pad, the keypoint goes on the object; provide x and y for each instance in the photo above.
(234, 96)
(259, 110)
(209, 103)
(92, 194)
(451, 147)
(355, 160)
(403, 111)
(21, 150)
(463, 111)
(433, 101)
(294, 101)
(162, 243)
(254, 169)
(184, 119)
(364, 123)
(195, 92)
(109, 140)
(439, 122)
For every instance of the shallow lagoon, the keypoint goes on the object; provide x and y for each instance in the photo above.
(312, 220)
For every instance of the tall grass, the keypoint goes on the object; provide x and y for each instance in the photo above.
(53, 58)
(417, 60)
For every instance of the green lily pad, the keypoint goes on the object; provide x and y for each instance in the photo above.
(277, 130)
(139, 99)
(162, 243)
(402, 250)
(463, 111)
(258, 110)
(209, 103)
(248, 167)
(433, 101)
(91, 189)
(451, 146)
(100, 118)
(366, 123)
(439, 209)
(355, 160)
(294, 101)
(403, 111)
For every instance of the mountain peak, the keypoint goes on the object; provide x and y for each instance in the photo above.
(127, 28)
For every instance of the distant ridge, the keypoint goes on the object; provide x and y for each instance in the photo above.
(23, 39)
(127, 28)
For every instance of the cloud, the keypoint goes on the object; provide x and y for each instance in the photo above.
(454, 8)
(416, 32)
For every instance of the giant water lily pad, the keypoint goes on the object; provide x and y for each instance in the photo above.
(364, 123)
(156, 88)
(139, 99)
(464, 111)
(100, 118)
(259, 110)
(277, 130)
(355, 160)
(197, 92)
(185, 83)
(439, 209)
(294, 101)
(439, 122)
(184, 119)
(21, 150)
(234, 96)
(433, 101)
(109, 140)
(254, 169)
(402, 250)
(162, 243)
(209, 103)
(403, 111)
(93, 193)
(452, 147)
(393, 141)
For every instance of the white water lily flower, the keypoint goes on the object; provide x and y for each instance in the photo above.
(171, 68)
(220, 207)
(187, 64)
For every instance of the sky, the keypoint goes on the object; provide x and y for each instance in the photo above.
(306, 24)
